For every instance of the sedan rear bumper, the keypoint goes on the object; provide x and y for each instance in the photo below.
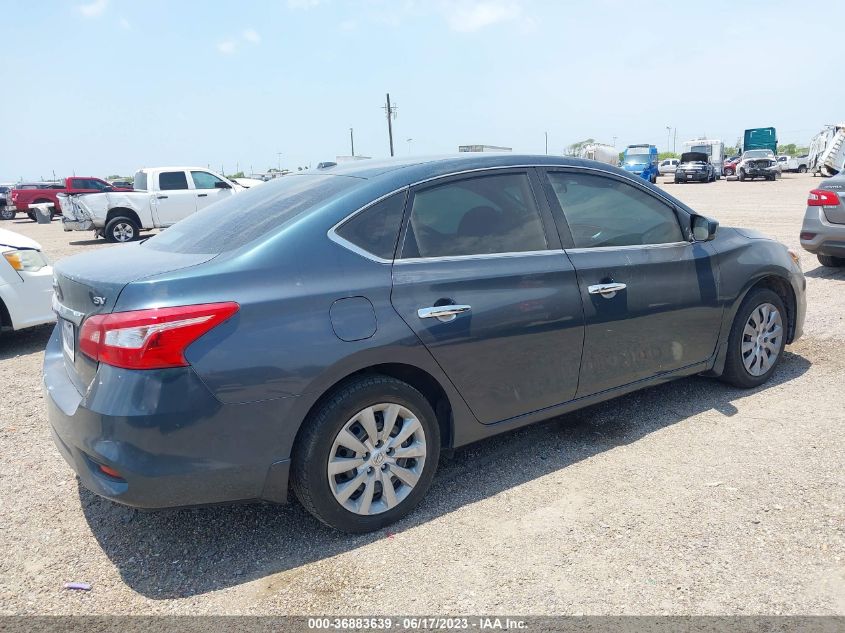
(172, 443)
(820, 236)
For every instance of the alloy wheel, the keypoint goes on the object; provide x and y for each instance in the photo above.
(123, 232)
(761, 339)
(377, 459)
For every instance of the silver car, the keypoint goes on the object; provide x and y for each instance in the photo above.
(823, 231)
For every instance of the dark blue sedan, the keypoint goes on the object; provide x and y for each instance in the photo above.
(333, 332)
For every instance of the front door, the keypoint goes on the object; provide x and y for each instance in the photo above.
(650, 296)
(174, 199)
(208, 188)
(481, 280)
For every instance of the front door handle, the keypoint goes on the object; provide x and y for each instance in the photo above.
(202, 195)
(608, 291)
(161, 197)
(443, 313)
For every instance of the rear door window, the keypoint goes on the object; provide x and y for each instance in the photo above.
(475, 216)
(376, 229)
(171, 180)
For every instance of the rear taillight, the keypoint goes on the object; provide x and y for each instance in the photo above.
(150, 339)
(822, 198)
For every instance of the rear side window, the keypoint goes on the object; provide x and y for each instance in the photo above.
(170, 180)
(246, 216)
(475, 216)
(140, 182)
(603, 211)
(376, 229)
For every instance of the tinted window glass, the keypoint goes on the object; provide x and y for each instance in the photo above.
(168, 180)
(244, 217)
(376, 229)
(204, 180)
(487, 214)
(603, 211)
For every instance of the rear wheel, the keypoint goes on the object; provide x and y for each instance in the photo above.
(802, 169)
(757, 339)
(31, 216)
(121, 229)
(831, 261)
(366, 457)
(6, 213)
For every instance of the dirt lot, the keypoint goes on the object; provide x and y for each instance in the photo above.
(692, 497)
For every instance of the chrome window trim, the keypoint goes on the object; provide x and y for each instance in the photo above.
(66, 313)
(337, 239)
(628, 247)
(452, 258)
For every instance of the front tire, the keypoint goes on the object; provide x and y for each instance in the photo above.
(366, 457)
(742, 175)
(757, 339)
(6, 213)
(122, 229)
(831, 261)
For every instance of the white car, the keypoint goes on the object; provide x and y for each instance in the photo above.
(668, 166)
(162, 196)
(26, 283)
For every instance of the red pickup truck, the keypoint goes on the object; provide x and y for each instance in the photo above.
(34, 193)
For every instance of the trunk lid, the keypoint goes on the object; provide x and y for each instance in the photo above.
(90, 283)
(835, 215)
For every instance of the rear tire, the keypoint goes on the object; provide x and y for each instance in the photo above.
(31, 216)
(831, 261)
(121, 229)
(757, 339)
(741, 175)
(341, 423)
(802, 169)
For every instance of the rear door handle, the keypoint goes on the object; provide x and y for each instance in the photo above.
(608, 291)
(161, 197)
(202, 195)
(443, 313)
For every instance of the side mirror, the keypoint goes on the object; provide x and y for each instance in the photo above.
(703, 229)
(219, 184)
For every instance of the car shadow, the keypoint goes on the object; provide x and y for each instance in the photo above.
(28, 341)
(826, 272)
(183, 553)
(94, 242)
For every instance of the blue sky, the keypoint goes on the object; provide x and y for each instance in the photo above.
(98, 87)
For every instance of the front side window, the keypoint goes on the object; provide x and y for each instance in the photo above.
(204, 180)
(170, 180)
(602, 211)
(376, 229)
(475, 216)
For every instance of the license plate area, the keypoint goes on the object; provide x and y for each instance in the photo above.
(69, 340)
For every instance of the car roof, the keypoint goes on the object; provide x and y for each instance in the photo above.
(432, 166)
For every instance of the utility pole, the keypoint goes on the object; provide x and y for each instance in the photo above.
(279, 155)
(390, 111)
(674, 140)
(547, 143)
(352, 141)
(668, 136)
(614, 141)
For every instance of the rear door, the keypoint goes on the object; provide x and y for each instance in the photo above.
(481, 279)
(208, 188)
(175, 198)
(650, 296)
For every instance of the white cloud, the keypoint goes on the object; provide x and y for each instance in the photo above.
(303, 4)
(93, 9)
(348, 25)
(227, 47)
(475, 15)
(251, 35)
(124, 24)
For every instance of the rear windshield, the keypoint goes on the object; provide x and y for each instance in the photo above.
(246, 216)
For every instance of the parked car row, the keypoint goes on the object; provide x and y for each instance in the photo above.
(22, 196)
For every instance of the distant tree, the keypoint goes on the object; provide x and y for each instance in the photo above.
(240, 174)
(791, 149)
(665, 155)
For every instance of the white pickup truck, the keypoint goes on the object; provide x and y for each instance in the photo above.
(162, 197)
(793, 163)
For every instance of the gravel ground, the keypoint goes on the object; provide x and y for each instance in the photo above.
(692, 497)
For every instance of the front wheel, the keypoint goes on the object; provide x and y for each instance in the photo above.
(366, 457)
(742, 175)
(122, 229)
(6, 213)
(831, 261)
(757, 339)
